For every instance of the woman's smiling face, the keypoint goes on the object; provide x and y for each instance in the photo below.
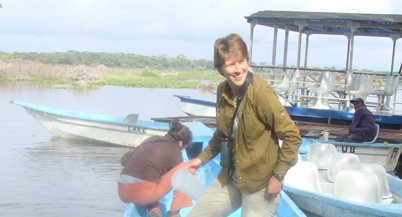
(235, 72)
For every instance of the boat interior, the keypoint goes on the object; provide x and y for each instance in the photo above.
(341, 175)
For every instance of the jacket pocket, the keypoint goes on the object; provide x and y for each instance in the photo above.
(250, 125)
(224, 120)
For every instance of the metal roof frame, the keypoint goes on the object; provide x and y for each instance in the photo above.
(379, 25)
(308, 23)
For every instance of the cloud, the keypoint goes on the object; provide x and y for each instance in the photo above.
(152, 27)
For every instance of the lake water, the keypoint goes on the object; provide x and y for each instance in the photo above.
(44, 176)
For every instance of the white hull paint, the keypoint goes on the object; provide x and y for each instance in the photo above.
(197, 109)
(103, 128)
(386, 156)
(82, 129)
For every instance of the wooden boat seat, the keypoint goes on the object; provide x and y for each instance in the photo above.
(303, 175)
(339, 162)
(358, 186)
(377, 130)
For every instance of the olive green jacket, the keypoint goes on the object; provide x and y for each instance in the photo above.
(262, 121)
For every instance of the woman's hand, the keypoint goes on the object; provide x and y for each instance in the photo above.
(273, 188)
(193, 165)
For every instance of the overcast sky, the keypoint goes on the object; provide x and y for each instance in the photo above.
(188, 27)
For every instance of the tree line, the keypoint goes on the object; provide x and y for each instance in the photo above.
(129, 60)
(113, 60)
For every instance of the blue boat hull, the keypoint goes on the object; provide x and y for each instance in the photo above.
(208, 173)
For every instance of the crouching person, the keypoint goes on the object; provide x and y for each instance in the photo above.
(148, 170)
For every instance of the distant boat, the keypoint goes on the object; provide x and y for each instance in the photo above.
(126, 131)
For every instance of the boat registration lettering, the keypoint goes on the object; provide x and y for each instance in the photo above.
(136, 129)
(352, 149)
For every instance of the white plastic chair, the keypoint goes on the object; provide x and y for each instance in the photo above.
(354, 85)
(381, 174)
(321, 90)
(366, 87)
(376, 132)
(303, 175)
(360, 90)
(131, 118)
(293, 85)
(369, 87)
(284, 86)
(339, 162)
(319, 153)
(331, 87)
(384, 92)
(387, 93)
(358, 186)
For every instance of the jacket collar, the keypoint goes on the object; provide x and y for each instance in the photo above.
(227, 93)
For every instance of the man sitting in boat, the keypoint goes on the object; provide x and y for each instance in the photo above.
(148, 170)
(362, 128)
(253, 164)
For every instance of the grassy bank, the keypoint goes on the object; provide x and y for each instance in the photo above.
(81, 76)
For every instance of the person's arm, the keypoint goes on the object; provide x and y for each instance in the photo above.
(272, 113)
(357, 118)
(213, 147)
(206, 155)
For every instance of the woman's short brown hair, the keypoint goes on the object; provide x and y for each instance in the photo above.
(231, 46)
